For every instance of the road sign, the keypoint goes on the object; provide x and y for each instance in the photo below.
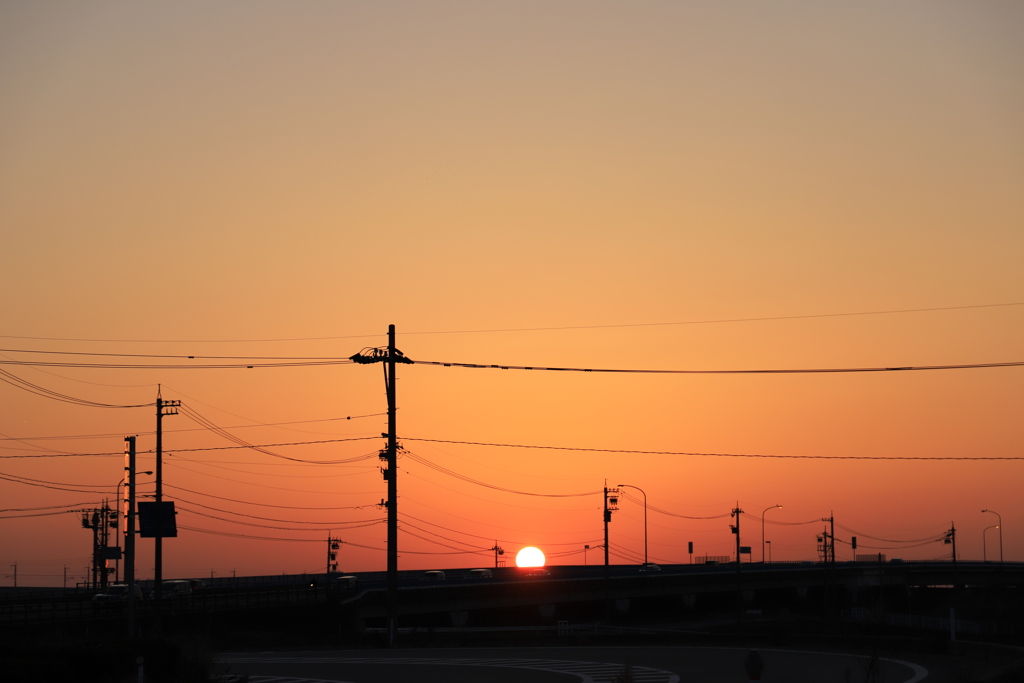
(148, 520)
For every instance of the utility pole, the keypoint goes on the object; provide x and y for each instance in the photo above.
(950, 539)
(129, 537)
(735, 528)
(162, 408)
(827, 542)
(827, 545)
(498, 551)
(389, 356)
(611, 504)
(99, 520)
(333, 544)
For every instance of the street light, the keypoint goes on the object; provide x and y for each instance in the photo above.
(984, 551)
(630, 486)
(1000, 533)
(772, 507)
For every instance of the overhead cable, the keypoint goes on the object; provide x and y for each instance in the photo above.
(773, 371)
(271, 519)
(283, 528)
(179, 356)
(173, 366)
(196, 417)
(718, 455)
(636, 499)
(529, 329)
(452, 473)
(269, 505)
(38, 390)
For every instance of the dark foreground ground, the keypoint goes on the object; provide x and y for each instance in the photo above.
(792, 652)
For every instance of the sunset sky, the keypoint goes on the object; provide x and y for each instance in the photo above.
(644, 185)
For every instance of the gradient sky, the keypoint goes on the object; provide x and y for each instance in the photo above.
(587, 184)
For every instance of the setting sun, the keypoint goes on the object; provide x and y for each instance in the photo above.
(530, 557)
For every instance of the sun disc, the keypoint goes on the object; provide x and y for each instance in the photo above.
(530, 557)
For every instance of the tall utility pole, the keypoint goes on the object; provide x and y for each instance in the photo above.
(389, 379)
(333, 544)
(498, 551)
(611, 504)
(736, 512)
(100, 520)
(162, 408)
(129, 538)
(950, 539)
(735, 528)
(827, 545)
(389, 357)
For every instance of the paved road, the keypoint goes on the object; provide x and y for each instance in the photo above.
(568, 665)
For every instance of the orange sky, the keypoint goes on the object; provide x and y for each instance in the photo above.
(611, 185)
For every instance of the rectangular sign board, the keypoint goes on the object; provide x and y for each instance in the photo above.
(148, 520)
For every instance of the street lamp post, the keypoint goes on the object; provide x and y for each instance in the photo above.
(984, 550)
(1000, 527)
(771, 507)
(630, 486)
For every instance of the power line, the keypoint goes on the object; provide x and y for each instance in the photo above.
(222, 465)
(36, 514)
(178, 356)
(269, 526)
(59, 483)
(269, 505)
(458, 551)
(269, 519)
(896, 547)
(208, 424)
(529, 329)
(49, 507)
(28, 482)
(254, 538)
(111, 435)
(59, 454)
(774, 371)
(718, 455)
(407, 523)
(173, 366)
(38, 390)
(715, 321)
(889, 540)
(452, 473)
(631, 497)
(489, 539)
(258, 448)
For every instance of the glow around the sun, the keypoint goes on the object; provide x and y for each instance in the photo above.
(530, 557)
